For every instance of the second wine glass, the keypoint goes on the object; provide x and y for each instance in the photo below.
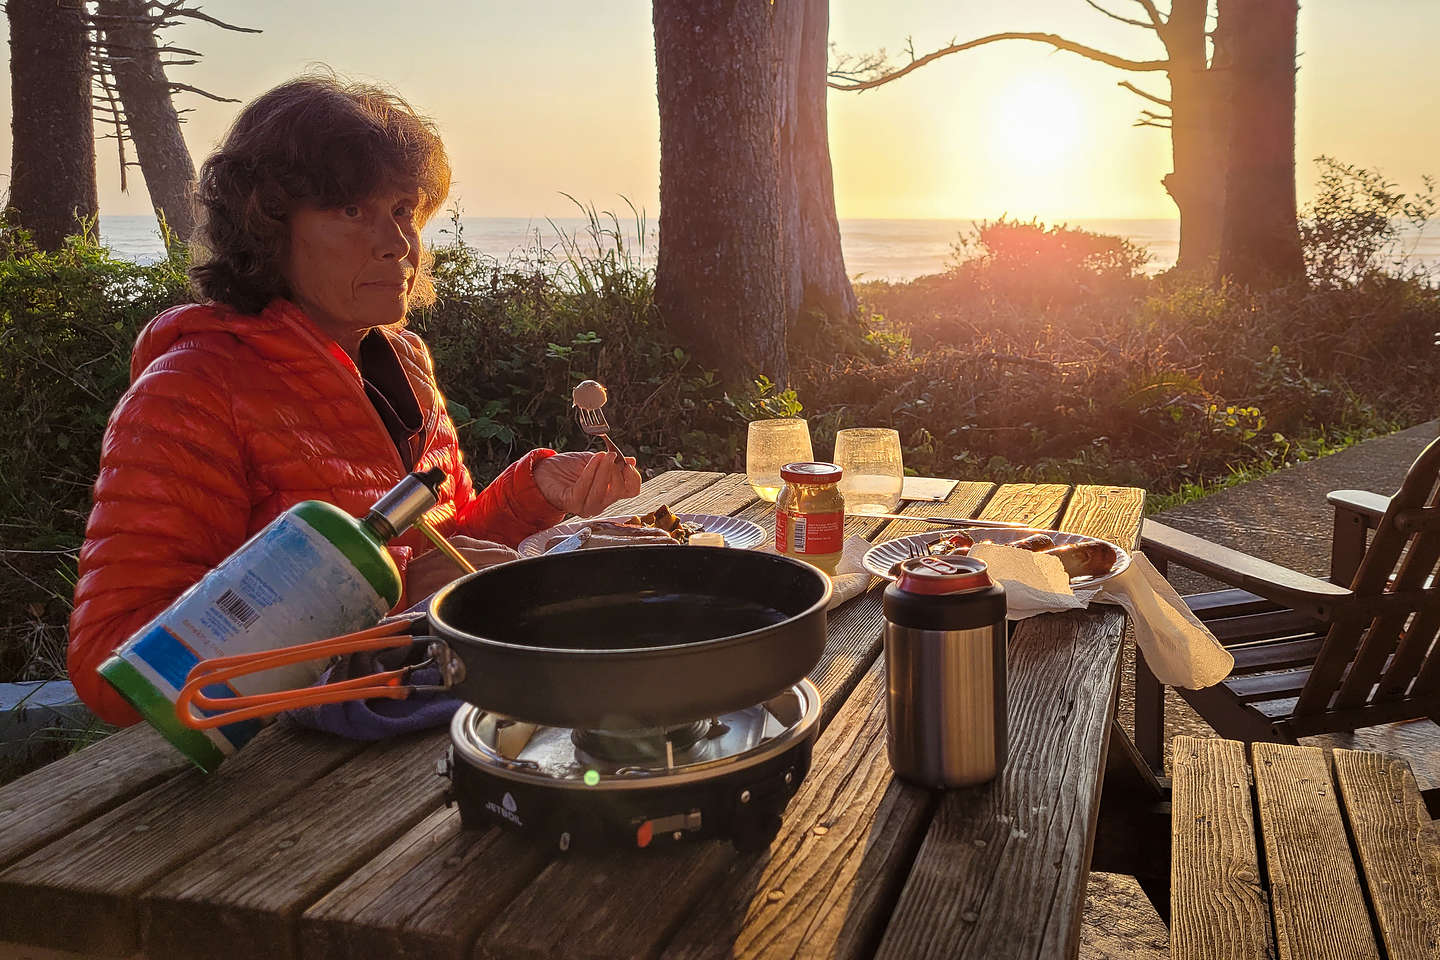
(874, 473)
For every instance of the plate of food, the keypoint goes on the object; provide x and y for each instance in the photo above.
(1089, 560)
(659, 527)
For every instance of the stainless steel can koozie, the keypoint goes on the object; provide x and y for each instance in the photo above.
(945, 662)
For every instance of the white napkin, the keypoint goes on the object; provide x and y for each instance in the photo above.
(851, 578)
(1180, 650)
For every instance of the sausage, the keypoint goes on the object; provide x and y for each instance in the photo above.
(1089, 559)
(1034, 543)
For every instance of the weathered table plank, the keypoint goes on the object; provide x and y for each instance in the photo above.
(425, 896)
(45, 803)
(668, 488)
(1218, 908)
(1105, 512)
(80, 892)
(243, 899)
(822, 888)
(1002, 868)
(1399, 859)
(1038, 504)
(1318, 907)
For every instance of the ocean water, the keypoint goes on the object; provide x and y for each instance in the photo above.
(873, 249)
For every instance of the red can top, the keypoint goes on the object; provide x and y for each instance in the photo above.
(806, 472)
(936, 576)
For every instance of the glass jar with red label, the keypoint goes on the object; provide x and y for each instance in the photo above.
(810, 514)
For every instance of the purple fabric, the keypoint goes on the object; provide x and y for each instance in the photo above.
(379, 718)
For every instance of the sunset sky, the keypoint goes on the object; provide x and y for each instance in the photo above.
(559, 95)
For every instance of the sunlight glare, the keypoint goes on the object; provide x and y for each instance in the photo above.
(1035, 125)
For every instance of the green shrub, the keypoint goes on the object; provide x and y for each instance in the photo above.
(67, 322)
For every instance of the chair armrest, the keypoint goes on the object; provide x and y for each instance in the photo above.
(1309, 595)
(1369, 505)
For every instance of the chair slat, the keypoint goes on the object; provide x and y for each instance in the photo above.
(1258, 657)
(1383, 636)
(1418, 489)
(1268, 686)
(1262, 626)
(1228, 603)
(1414, 647)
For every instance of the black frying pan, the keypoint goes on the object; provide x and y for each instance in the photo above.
(629, 637)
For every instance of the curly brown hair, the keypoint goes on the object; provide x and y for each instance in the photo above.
(315, 139)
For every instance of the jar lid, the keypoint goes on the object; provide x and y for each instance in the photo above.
(808, 472)
(937, 576)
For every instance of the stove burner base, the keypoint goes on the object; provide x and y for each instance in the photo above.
(739, 797)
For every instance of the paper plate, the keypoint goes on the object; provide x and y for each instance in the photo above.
(881, 557)
(741, 534)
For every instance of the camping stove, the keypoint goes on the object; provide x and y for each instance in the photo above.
(728, 776)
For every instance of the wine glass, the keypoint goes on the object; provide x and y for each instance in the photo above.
(874, 473)
(770, 445)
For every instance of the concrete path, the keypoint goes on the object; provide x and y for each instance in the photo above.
(1282, 518)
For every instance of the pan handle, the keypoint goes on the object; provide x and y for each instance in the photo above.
(388, 684)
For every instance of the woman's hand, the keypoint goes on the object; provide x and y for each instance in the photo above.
(432, 570)
(586, 483)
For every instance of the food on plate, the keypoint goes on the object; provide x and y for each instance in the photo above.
(663, 519)
(1035, 543)
(955, 543)
(661, 526)
(589, 395)
(707, 538)
(1090, 559)
(604, 533)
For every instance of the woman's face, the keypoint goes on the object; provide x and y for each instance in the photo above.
(353, 267)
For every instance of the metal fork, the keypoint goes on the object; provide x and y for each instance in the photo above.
(594, 424)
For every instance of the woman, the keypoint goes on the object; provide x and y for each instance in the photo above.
(295, 379)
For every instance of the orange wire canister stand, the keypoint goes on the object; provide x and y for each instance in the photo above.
(390, 684)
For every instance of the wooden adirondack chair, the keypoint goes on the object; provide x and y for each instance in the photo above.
(1317, 656)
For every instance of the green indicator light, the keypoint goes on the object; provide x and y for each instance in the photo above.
(592, 777)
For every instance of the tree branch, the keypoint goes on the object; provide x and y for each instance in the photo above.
(1151, 123)
(1156, 116)
(1141, 93)
(1115, 16)
(1153, 13)
(1059, 43)
(178, 9)
(186, 88)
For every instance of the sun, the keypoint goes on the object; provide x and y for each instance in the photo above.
(1035, 125)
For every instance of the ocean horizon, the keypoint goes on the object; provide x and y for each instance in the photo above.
(874, 249)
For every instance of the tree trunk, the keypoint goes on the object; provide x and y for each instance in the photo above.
(718, 281)
(1197, 184)
(52, 167)
(1261, 241)
(150, 115)
(814, 266)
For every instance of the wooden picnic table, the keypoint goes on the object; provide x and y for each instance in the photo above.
(306, 845)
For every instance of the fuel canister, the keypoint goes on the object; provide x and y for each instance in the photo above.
(312, 572)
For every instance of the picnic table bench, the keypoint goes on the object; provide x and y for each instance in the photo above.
(1336, 863)
(305, 845)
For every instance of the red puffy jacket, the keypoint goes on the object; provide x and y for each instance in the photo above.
(229, 420)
